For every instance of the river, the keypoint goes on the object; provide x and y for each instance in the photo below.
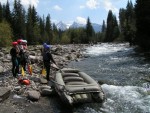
(121, 70)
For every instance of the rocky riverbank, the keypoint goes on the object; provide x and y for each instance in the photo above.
(38, 97)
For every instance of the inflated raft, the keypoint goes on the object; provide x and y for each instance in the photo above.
(74, 86)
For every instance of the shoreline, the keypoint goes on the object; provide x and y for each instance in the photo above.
(18, 101)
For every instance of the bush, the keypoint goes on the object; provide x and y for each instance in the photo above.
(5, 34)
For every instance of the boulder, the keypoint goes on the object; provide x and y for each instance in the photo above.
(46, 92)
(4, 93)
(33, 95)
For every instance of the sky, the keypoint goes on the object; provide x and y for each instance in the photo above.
(69, 11)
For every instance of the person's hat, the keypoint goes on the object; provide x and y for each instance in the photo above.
(19, 41)
(14, 43)
(45, 45)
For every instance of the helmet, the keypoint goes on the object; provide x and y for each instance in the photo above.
(14, 43)
(19, 41)
(45, 45)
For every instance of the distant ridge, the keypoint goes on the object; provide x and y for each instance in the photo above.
(62, 26)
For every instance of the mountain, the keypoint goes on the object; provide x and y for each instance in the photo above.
(76, 25)
(63, 26)
(97, 27)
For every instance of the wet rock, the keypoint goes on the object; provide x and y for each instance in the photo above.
(34, 78)
(43, 81)
(44, 87)
(4, 93)
(33, 95)
(1, 54)
(46, 92)
(1, 69)
(17, 88)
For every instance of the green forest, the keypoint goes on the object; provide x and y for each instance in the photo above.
(133, 26)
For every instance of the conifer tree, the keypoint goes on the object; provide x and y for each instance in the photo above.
(103, 26)
(142, 10)
(18, 20)
(7, 13)
(112, 30)
(1, 12)
(48, 28)
(89, 31)
(109, 29)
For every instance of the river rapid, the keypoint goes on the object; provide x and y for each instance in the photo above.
(122, 72)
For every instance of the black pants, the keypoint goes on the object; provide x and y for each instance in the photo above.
(47, 67)
(15, 67)
(23, 60)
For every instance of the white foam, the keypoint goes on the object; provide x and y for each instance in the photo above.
(129, 98)
(105, 48)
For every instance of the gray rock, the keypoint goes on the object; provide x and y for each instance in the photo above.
(46, 92)
(34, 78)
(1, 54)
(4, 93)
(33, 95)
(43, 81)
(44, 87)
(1, 69)
(17, 88)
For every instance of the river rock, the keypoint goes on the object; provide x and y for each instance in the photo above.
(4, 93)
(43, 81)
(1, 54)
(1, 69)
(46, 92)
(33, 95)
(44, 87)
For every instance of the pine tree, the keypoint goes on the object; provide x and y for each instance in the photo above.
(122, 19)
(109, 29)
(142, 10)
(55, 34)
(116, 31)
(112, 30)
(1, 13)
(89, 31)
(18, 20)
(103, 27)
(42, 28)
(48, 28)
(8, 13)
(29, 27)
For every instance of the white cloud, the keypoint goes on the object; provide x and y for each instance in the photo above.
(92, 4)
(4, 1)
(26, 3)
(109, 6)
(81, 20)
(58, 8)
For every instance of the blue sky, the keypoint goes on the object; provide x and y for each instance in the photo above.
(69, 11)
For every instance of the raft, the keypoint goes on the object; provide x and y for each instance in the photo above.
(74, 86)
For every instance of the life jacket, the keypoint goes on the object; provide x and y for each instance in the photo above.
(46, 56)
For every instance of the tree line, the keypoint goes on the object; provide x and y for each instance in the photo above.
(132, 26)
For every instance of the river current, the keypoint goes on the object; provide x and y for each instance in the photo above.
(122, 72)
